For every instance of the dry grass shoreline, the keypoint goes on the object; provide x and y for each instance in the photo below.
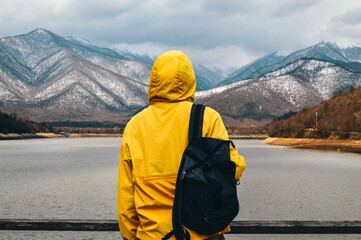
(250, 136)
(343, 145)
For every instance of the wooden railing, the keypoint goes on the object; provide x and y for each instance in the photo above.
(238, 227)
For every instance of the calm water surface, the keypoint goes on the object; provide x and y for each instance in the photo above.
(76, 179)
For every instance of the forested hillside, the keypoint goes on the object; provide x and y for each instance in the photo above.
(14, 124)
(338, 117)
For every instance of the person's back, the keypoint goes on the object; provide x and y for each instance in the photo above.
(152, 148)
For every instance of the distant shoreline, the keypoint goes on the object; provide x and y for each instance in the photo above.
(301, 143)
(19, 136)
(343, 145)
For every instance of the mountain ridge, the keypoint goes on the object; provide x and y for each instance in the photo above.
(51, 78)
(324, 51)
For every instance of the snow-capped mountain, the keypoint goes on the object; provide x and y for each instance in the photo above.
(283, 84)
(251, 70)
(261, 100)
(327, 51)
(36, 62)
(41, 70)
(207, 78)
(46, 77)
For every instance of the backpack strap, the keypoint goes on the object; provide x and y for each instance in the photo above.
(194, 132)
(196, 122)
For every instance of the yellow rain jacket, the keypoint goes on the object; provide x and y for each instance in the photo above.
(152, 149)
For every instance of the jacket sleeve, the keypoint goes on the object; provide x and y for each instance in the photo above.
(216, 129)
(239, 161)
(127, 215)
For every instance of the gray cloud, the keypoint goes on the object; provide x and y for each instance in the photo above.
(229, 7)
(352, 17)
(215, 33)
(286, 8)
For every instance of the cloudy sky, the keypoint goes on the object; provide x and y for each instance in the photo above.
(220, 33)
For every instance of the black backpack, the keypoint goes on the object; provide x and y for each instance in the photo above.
(206, 194)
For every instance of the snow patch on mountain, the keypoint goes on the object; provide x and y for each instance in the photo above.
(216, 90)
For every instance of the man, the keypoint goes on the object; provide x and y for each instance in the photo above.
(152, 148)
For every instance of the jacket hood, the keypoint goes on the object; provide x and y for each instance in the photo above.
(172, 78)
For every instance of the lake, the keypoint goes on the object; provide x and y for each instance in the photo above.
(75, 178)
